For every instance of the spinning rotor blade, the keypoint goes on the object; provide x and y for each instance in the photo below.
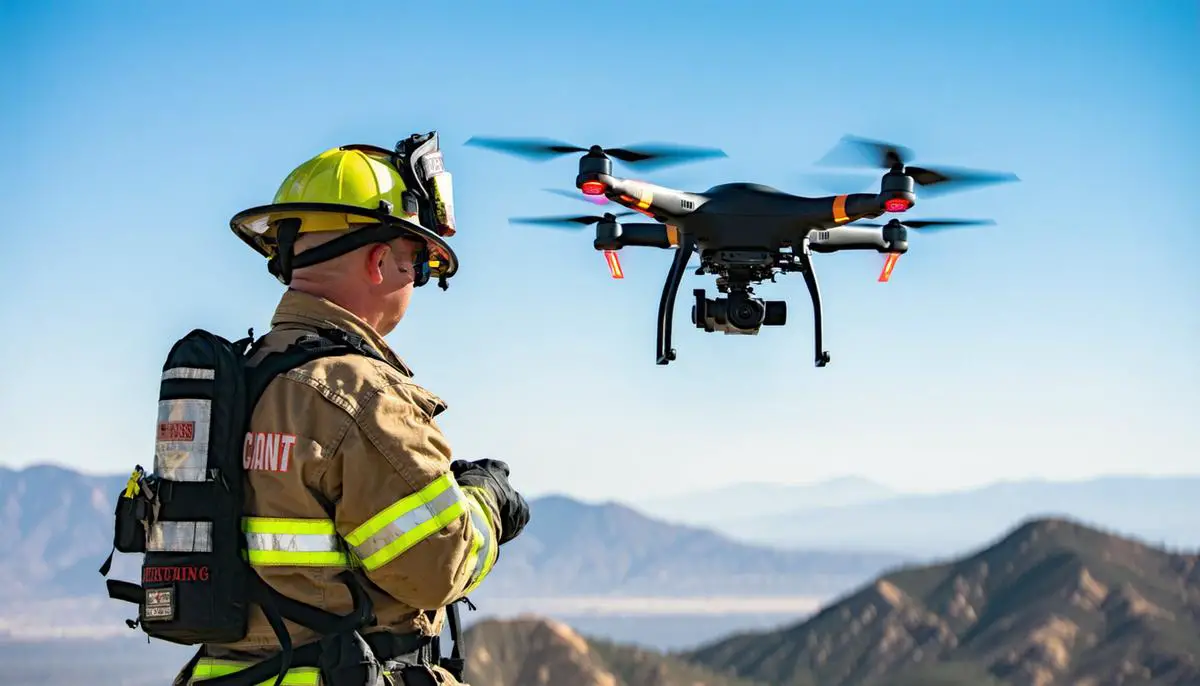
(656, 155)
(647, 155)
(567, 220)
(950, 179)
(537, 149)
(854, 151)
(933, 224)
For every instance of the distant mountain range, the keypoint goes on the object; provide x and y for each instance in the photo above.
(533, 651)
(572, 548)
(55, 530)
(1054, 602)
(722, 507)
(1160, 509)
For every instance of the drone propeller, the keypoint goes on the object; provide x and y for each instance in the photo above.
(576, 223)
(569, 221)
(889, 263)
(932, 224)
(646, 155)
(853, 151)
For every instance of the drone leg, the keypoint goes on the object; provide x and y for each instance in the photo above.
(666, 306)
(814, 291)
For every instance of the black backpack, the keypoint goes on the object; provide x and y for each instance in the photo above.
(186, 516)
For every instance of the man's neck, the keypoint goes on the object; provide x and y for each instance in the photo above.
(343, 300)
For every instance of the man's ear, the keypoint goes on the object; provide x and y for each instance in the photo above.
(377, 258)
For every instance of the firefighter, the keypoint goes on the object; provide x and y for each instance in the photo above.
(347, 466)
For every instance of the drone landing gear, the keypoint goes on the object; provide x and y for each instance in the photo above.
(666, 306)
(814, 291)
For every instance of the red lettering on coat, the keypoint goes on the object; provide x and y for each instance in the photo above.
(267, 451)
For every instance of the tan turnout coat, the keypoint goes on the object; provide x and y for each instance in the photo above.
(348, 439)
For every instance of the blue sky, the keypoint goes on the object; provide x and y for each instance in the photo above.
(1060, 343)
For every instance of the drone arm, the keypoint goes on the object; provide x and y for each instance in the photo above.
(814, 291)
(847, 238)
(666, 306)
(647, 235)
(650, 199)
(852, 207)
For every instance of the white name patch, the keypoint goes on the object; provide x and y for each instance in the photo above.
(267, 451)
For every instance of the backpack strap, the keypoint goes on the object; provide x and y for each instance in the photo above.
(276, 606)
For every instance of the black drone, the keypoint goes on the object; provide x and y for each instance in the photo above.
(745, 233)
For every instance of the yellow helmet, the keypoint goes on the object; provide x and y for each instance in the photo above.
(362, 188)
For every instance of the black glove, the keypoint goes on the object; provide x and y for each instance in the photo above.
(493, 476)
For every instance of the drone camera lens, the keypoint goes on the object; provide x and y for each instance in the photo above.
(746, 314)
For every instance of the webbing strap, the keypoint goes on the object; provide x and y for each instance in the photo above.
(308, 655)
(323, 343)
(455, 664)
(288, 260)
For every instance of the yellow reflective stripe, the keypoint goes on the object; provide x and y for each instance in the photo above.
(483, 549)
(280, 525)
(278, 541)
(209, 668)
(407, 522)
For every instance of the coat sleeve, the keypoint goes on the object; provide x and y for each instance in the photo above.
(418, 534)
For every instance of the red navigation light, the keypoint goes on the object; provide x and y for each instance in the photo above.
(592, 188)
(897, 205)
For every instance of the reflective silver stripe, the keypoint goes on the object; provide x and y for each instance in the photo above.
(188, 373)
(293, 543)
(179, 537)
(181, 451)
(409, 521)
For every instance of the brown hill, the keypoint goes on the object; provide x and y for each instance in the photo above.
(1054, 602)
(534, 651)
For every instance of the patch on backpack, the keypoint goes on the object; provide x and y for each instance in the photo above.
(176, 432)
(160, 604)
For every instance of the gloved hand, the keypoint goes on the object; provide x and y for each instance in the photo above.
(493, 476)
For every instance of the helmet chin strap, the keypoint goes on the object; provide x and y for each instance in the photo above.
(285, 261)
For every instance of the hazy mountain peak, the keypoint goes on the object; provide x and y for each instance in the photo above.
(536, 651)
(531, 651)
(569, 549)
(741, 501)
(1053, 601)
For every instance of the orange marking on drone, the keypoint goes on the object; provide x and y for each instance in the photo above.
(888, 266)
(839, 209)
(647, 198)
(672, 235)
(614, 264)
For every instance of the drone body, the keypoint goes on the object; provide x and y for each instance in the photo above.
(743, 233)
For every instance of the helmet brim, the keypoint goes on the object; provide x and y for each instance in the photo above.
(256, 227)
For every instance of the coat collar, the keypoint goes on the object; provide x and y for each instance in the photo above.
(297, 308)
